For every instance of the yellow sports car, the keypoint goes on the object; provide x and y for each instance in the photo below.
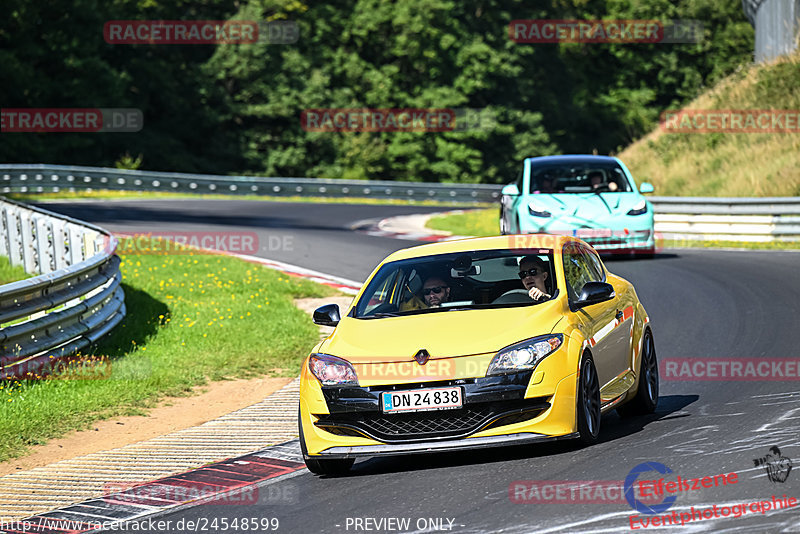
(476, 343)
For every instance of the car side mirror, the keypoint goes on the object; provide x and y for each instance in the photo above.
(646, 187)
(594, 293)
(327, 315)
(511, 190)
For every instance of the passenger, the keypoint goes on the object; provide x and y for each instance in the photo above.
(548, 184)
(533, 273)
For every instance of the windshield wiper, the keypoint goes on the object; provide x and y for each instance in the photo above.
(381, 315)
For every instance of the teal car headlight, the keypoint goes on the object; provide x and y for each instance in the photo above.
(538, 210)
(332, 371)
(524, 355)
(639, 209)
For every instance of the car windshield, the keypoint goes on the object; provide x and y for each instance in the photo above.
(579, 178)
(448, 282)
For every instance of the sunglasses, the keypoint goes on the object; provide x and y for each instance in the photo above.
(436, 290)
(530, 272)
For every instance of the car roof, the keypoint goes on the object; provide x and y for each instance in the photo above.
(572, 159)
(524, 243)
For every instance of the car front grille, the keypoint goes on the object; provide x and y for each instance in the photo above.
(440, 424)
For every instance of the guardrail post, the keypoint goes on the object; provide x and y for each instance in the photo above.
(75, 245)
(60, 239)
(45, 245)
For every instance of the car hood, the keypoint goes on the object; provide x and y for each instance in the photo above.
(586, 206)
(443, 334)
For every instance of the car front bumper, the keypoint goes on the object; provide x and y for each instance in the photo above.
(498, 410)
(629, 235)
(441, 446)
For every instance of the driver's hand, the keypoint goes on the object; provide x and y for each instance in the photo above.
(535, 293)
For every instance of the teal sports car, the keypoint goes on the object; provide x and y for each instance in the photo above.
(591, 197)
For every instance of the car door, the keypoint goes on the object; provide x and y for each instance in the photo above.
(604, 324)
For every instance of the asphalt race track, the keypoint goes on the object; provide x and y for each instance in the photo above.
(702, 304)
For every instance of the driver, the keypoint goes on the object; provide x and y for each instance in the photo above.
(596, 179)
(533, 273)
(435, 291)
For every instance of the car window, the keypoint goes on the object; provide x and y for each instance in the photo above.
(520, 175)
(579, 269)
(383, 292)
(579, 178)
(594, 264)
(464, 280)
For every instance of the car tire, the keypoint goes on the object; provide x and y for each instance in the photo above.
(330, 467)
(326, 466)
(588, 402)
(646, 398)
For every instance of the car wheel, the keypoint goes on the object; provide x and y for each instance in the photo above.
(588, 403)
(646, 397)
(331, 467)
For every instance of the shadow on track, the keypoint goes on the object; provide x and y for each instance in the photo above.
(613, 427)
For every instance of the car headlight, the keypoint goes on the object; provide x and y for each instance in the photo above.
(537, 210)
(524, 355)
(332, 371)
(639, 209)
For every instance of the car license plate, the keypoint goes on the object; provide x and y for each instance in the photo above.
(593, 232)
(419, 400)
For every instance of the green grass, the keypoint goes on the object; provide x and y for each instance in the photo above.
(101, 194)
(191, 319)
(728, 164)
(9, 273)
(482, 223)
(479, 223)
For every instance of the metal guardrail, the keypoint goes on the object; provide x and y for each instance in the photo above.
(47, 178)
(777, 23)
(75, 299)
(738, 219)
(735, 219)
